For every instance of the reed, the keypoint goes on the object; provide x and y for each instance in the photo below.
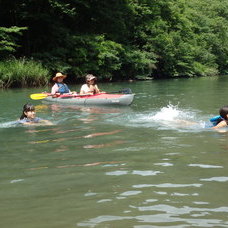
(22, 73)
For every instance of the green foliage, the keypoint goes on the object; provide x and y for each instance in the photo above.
(94, 54)
(185, 48)
(63, 8)
(119, 39)
(22, 72)
(85, 54)
(8, 39)
(137, 64)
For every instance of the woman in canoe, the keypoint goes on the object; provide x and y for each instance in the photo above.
(90, 88)
(28, 116)
(59, 87)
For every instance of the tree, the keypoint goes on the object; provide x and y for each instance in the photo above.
(8, 40)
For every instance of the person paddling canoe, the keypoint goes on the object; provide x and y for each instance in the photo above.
(90, 87)
(59, 87)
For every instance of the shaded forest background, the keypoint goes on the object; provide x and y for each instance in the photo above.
(113, 39)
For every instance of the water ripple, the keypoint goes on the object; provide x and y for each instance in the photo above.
(205, 166)
(218, 179)
(146, 173)
(135, 172)
(164, 164)
(166, 185)
(117, 173)
(169, 216)
(181, 210)
(15, 181)
(130, 193)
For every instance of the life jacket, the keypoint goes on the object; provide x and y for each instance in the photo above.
(215, 120)
(63, 88)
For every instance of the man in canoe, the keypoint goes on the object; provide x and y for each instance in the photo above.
(59, 87)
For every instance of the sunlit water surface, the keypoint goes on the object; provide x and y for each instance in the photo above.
(153, 164)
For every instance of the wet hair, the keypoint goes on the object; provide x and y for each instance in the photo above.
(224, 112)
(27, 108)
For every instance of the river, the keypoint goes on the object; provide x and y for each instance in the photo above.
(153, 164)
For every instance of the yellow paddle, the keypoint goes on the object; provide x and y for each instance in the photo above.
(38, 96)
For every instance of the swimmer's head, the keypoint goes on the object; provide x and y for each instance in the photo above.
(224, 112)
(28, 111)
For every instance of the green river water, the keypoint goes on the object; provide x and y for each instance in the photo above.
(110, 167)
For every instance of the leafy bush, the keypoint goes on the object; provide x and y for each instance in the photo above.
(23, 73)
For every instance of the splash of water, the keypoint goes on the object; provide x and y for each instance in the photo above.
(172, 113)
(9, 124)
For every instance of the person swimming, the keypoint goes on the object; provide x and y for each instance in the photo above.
(28, 116)
(222, 120)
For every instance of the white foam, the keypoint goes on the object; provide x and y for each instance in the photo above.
(9, 124)
(171, 113)
(167, 117)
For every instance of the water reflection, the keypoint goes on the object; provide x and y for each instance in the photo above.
(61, 139)
(103, 145)
(134, 172)
(77, 165)
(168, 217)
(217, 179)
(62, 148)
(164, 164)
(205, 166)
(130, 193)
(16, 181)
(102, 134)
(41, 108)
(88, 109)
(167, 185)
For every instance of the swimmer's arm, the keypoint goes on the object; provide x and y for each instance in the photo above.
(27, 123)
(46, 122)
(220, 125)
(41, 122)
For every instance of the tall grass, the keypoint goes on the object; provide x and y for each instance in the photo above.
(22, 73)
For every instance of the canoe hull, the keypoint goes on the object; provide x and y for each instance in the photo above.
(98, 99)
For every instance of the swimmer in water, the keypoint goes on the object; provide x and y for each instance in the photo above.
(223, 122)
(28, 116)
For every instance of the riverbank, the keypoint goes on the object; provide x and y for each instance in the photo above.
(17, 73)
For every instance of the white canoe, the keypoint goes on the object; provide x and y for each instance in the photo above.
(97, 99)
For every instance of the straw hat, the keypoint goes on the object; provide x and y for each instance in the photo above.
(59, 75)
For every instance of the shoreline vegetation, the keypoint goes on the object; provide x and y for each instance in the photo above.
(114, 40)
(22, 73)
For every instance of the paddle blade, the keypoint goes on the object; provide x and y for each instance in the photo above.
(38, 96)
